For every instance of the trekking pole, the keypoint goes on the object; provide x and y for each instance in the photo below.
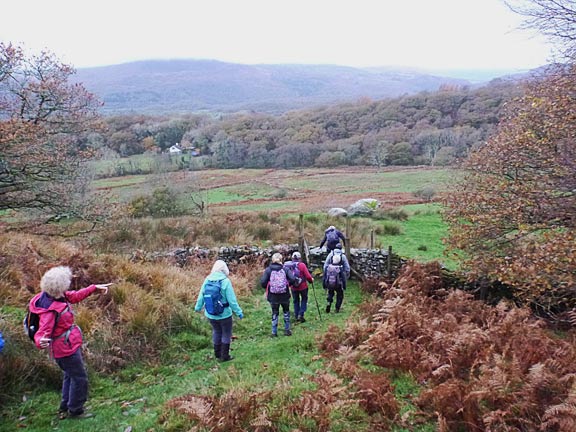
(316, 299)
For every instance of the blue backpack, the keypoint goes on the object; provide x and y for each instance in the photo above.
(213, 297)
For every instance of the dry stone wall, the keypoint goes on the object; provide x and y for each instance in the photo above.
(364, 262)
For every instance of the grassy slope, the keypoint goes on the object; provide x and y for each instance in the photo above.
(423, 228)
(136, 396)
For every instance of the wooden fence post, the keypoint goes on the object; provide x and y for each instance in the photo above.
(389, 264)
(347, 245)
(301, 247)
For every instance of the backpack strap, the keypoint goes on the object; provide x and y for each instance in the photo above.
(222, 294)
(66, 334)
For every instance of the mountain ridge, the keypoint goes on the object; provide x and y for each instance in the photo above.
(188, 85)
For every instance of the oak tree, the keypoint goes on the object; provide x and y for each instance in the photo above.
(514, 214)
(43, 118)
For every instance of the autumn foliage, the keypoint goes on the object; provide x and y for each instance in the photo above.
(514, 215)
(482, 368)
(43, 118)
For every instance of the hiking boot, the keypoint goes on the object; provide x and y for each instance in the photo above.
(225, 353)
(337, 310)
(302, 320)
(287, 332)
(217, 351)
(273, 335)
(79, 416)
(328, 308)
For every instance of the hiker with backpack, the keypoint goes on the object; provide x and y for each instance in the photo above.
(332, 237)
(336, 272)
(56, 331)
(276, 280)
(218, 299)
(300, 287)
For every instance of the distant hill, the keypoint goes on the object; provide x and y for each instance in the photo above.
(169, 86)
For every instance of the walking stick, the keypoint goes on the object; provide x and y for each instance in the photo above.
(316, 299)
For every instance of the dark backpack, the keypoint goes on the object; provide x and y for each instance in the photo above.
(293, 267)
(213, 297)
(32, 322)
(332, 237)
(333, 276)
(278, 282)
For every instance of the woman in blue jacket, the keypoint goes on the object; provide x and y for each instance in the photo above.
(221, 322)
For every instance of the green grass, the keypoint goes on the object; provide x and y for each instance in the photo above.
(409, 180)
(424, 228)
(262, 206)
(140, 163)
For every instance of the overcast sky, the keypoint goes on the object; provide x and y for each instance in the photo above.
(427, 34)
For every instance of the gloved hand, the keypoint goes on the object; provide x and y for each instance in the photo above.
(240, 316)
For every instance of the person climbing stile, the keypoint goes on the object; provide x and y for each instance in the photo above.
(332, 237)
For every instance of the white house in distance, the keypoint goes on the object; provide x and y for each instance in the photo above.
(175, 149)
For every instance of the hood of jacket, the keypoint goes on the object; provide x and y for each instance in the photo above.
(216, 276)
(42, 303)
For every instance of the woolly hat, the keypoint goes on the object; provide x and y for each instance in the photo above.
(296, 256)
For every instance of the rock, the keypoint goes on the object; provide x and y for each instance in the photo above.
(363, 207)
(337, 211)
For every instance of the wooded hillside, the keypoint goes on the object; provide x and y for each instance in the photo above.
(431, 128)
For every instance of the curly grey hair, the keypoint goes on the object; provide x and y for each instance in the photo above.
(56, 281)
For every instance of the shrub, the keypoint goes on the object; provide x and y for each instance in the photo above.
(162, 203)
(390, 228)
(393, 214)
(426, 193)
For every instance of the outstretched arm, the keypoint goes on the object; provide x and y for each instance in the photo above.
(81, 294)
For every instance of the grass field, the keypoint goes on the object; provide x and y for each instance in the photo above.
(306, 190)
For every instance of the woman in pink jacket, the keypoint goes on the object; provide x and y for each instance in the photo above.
(58, 332)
